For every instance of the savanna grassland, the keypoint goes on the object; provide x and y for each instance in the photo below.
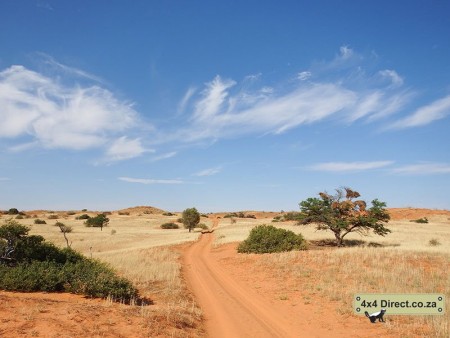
(414, 258)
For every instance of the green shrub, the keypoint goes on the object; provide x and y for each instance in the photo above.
(42, 266)
(168, 214)
(202, 226)
(292, 216)
(84, 216)
(13, 211)
(19, 217)
(70, 213)
(267, 239)
(170, 225)
(39, 221)
(53, 217)
(230, 215)
(420, 220)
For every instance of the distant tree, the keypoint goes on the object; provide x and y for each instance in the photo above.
(64, 229)
(342, 214)
(98, 221)
(190, 218)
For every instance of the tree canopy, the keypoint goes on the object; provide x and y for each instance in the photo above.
(343, 213)
(190, 218)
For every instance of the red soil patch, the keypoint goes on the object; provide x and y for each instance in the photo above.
(416, 213)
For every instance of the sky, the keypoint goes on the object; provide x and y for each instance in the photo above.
(223, 105)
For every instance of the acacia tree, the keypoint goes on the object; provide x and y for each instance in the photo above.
(342, 213)
(190, 218)
(98, 221)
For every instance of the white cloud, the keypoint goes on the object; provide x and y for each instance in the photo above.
(393, 76)
(124, 149)
(303, 76)
(149, 181)
(52, 115)
(346, 52)
(185, 100)
(349, 166)
(164, 156)
(209, 172)
(255, 112)
(213, 97)
(423, 169)
(437, 110)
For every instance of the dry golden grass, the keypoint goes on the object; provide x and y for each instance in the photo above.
(139, 250)
(404, 262)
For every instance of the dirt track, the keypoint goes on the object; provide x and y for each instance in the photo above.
(233, 307)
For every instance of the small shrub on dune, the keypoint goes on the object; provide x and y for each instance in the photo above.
(39, 221)
(84, 216)
(170, 226)
(420, 220)
(268, 239)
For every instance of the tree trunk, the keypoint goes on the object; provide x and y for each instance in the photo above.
(339, 239)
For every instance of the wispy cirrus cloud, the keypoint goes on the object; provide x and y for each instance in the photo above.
(349, 166)
(149, 180)
(423, 169)
(341, 91)
(434, 111)
(49, 114)
(124, 149)
(209, 172)
(164, 156)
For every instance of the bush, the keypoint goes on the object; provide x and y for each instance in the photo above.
(434, 242)
(53, 217)
(202, 226)
(19, 217)
(124, 213)
(70, 213)
(13, 211)
(84, 216)
(170, 226)
(39, 221)
(42, 266)
(267, 239)
(292, 216)
(420, 220)
(168, 214)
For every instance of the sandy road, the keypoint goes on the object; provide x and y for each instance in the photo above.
(233, 309)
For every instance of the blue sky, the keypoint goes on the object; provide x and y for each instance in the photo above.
(223, 105)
